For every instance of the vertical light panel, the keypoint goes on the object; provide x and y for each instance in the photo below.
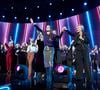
(34, 33)
(78, 19)
(61, 24)
(98, 12)
(57, 25)
(16, 33)
(74, 20)
(90, 28)
(68, 26)
(26, 32)
(44, 26)
(58, 30)
(6, 28)
(40, 25)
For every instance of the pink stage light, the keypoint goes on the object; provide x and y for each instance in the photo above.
(59, 68)
(18, 68)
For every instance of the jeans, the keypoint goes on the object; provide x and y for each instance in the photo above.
(49, 74)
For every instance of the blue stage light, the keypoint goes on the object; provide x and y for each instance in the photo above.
(34, 33)
(90, 28)
(70, 39)
(16, 33)
(5, 87)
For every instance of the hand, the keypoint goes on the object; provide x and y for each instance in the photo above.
(72, 41)
(31, 20)
(64, 28)
(80, 37)
(10, 38)
(50, 63)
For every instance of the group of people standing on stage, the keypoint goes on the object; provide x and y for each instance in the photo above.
(46, 49)
(52, 47)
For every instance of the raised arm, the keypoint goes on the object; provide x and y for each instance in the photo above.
(6, 45)
(61, 34)
(38, 28)
(69, 32)
(62, 31)
(31, 20)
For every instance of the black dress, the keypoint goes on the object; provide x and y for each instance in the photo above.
(39, 60)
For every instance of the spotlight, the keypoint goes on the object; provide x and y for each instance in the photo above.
(27, 18)
(21, 72)
(15, 17)
(85, 3)
(67, 18)
(50, 4)
(12, 7)
(3, 16)
(21, 77)
(25, 8)
(60, 13)
(38, 6)
(18, 68)
(38, 17)
(49, 16)
(72, 9)
(59, 68)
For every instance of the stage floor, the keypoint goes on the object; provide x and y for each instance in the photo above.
(40, 84)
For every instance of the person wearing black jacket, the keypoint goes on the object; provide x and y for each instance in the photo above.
(81, 43)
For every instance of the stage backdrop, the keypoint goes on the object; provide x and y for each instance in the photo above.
(22, 32)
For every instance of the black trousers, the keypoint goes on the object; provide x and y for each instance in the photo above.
(83, 62)
(57, 57)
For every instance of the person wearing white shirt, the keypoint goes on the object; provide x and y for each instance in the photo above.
(31, 50)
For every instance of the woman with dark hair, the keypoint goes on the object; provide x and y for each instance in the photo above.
(48, 51)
